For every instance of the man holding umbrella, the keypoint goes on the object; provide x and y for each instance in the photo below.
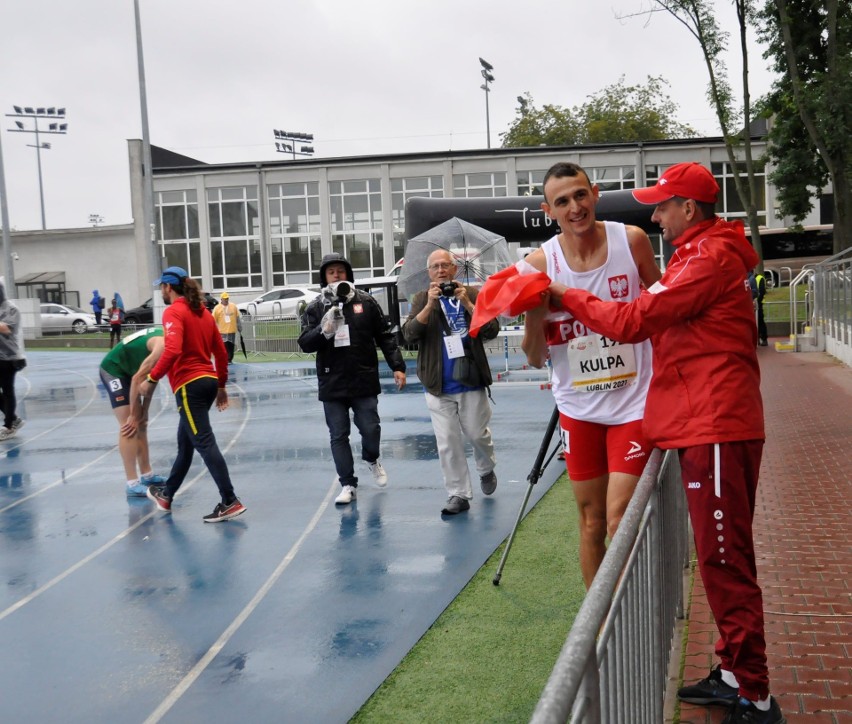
(454, 371)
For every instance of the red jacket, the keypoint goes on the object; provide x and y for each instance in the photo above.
(700, 319)
(191, 339)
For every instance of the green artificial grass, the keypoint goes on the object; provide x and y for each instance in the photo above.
(490, 653)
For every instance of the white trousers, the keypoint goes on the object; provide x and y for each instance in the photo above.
(455, 418)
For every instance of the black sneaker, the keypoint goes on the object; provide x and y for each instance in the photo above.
(710, 691)
(225, 512)
(745, 712)
(157, 493)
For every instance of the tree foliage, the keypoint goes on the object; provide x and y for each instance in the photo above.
(699, 18)
(810, 46)
(617, 114)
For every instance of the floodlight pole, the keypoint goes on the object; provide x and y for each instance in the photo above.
(489, 78)
(286, 142)
(8, 267)
(54, 128)
(147, 165)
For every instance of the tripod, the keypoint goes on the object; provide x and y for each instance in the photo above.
(535, 473)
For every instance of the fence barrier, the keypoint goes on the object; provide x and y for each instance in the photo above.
(613, 666)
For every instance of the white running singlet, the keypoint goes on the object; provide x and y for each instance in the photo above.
(596, 379)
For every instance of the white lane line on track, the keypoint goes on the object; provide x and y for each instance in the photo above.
(241, 618)
(64, 478)
(109, 544)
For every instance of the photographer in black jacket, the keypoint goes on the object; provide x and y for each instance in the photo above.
(343, 326)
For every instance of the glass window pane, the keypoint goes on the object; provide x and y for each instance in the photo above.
(174, 222)
(213, 220)
(192, 196)
(192, 220)
(359, 251)
(236, 259)
(293, 213)
(233, 194)
(234, 220)
(171, 197)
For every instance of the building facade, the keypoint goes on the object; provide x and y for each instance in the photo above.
(247, 227)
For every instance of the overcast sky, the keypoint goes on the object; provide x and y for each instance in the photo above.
(376, 76)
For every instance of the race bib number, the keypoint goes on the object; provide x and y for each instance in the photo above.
(599, 364)
(341, 337)
(454, 345)
(115, 385)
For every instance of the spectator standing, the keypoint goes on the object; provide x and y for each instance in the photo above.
(704, 401)
(600, 405)
(762, 331)
(191, 340)
(116, 319)
(454, 371)
(11, 362)
(228, 321)
(98, 303)
(137, 353)
(343, 326)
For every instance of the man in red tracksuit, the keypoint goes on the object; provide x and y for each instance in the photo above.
(704, 401)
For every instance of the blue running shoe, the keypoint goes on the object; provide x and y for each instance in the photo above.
(137, 491)
(152, 479)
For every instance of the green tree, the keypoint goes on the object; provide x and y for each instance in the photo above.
(810, 45)
(699, 18)
(617, 114)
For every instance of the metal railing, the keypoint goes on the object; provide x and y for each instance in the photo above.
(833, 304)
(272, 333)
(613, 666)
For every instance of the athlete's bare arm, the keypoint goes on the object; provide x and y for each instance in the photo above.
(643, 255)
(534, 343)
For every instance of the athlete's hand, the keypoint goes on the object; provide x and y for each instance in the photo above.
(222, 399)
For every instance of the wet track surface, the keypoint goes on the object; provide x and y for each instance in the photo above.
(111, 611)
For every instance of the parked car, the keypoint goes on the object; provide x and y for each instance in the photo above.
(280, 302)
(144, 313)
(65, 318)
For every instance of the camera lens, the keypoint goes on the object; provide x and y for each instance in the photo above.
(448, 289)
(343, 289)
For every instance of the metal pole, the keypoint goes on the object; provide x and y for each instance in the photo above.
(487, 116)
(8, 268)
(147, 170)
(40, 186)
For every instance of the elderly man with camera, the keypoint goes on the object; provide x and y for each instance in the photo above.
(343, 326)
(455, 374)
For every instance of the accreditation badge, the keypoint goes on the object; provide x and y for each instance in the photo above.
(600, 364)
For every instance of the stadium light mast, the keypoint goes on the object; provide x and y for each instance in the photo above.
(285, 142)
(53, 128)
(489, 78)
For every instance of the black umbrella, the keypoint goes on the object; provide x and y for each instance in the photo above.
(477, 252)
(243, 346)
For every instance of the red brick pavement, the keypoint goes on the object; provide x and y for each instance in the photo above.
(802, 538)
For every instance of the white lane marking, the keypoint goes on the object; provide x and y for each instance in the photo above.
(64, 478)
(241, 618)
(109, 544)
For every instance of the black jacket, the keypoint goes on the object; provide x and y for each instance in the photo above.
(353, 371)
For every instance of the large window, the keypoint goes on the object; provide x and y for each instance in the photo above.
(530, 183)
(234, 237)
(729, 204)
(612, 178)
(176, 219)
(294, 225)
(403, 189)
(356, 224)
(473, 185)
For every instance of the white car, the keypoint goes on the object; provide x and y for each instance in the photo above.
(64, 318)
(280, 302)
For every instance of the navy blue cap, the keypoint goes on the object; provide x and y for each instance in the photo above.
(173, 275)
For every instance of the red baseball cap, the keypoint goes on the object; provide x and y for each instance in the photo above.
(687, 180)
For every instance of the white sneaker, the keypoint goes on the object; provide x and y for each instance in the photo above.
(6, 433)
(378, 473)
(347, 495)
